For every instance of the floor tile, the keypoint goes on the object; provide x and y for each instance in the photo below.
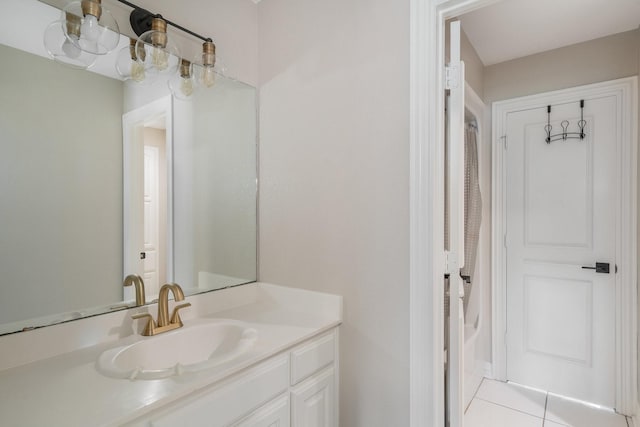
(548, 423)
(486, 414)
(574, 414)
(525, 400)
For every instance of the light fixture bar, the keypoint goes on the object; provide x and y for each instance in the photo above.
(173, 24)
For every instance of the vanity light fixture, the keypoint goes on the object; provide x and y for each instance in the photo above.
(160, 53)
(99, 32)
(183, 83)
(60, 41)
(87, 29)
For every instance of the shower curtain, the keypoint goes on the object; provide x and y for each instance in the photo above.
(472, 209)
(472, 216)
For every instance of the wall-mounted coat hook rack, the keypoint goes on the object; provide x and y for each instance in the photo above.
(565, 134)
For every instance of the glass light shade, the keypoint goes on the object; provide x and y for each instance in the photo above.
(61, 48)
(130, 68)
(163, 59)
(206, 75)
(99, 31)
(183, 83)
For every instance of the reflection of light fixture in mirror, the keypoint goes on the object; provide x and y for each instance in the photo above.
(207, 76)
(61, 47)
(130, 64)
(160, 52)
(99, 32)
(183, 83)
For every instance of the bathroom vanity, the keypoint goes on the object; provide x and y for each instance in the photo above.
(286, 375)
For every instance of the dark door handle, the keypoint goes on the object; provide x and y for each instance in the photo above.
(143, 255)
(601, 267)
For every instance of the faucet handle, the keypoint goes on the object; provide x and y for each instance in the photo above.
(151, 324)
(175, 316)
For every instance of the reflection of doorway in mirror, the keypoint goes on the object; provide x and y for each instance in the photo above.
(154, 217)
(147, 216)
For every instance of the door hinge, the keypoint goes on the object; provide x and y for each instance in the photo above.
(504, 240)
(504, 139)
(451, 262)
(451, 76)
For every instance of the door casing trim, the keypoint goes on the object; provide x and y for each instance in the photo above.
(426, 216)
(626, 229)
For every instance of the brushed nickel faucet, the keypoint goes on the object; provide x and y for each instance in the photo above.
(134, 279)
(165, 323)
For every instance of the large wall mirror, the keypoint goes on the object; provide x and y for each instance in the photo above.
(101, 178)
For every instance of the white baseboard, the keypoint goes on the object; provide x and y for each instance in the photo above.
(488, 370)
(472, 381)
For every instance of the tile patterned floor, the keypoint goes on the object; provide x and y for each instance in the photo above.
(498, 404)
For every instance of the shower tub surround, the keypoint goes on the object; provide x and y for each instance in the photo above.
(49, 376)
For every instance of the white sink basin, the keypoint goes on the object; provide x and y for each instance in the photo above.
(192, 348)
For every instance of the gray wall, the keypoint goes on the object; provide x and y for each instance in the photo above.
(60, 187)
(334, 182)
(594, 61)
(473, 66)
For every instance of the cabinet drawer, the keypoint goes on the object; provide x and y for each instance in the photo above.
(228, 402)
(312, 356)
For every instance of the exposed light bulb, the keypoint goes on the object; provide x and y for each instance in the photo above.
(90, 29)
(208, 77)
(160, 58)
(186, 87)
(137, 71)
(70, 48)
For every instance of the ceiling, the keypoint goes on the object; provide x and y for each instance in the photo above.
(512, 29)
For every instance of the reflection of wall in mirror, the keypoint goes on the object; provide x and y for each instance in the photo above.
(225, 182)
(61, 187)
(219, 170)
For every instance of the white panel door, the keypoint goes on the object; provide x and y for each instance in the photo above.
(151, 223)
(561, 203)
(455, 254)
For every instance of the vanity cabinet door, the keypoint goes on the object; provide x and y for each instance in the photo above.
(313, 401)
(274, 414)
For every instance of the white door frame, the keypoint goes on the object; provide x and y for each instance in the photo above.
(625, 90)
(426, 285)
(426, 109)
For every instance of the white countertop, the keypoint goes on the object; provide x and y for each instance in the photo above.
(67, 390)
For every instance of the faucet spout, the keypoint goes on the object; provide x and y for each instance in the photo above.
(134, 279)
(163, 301)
